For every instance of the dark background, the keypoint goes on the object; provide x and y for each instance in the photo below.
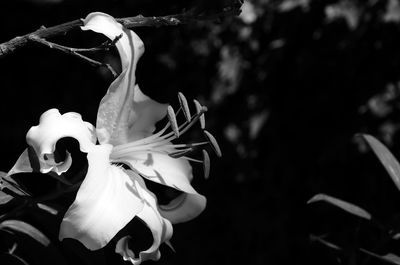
(288, 84)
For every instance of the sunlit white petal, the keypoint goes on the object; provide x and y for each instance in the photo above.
(160, 168)
(160, 227)
(106, 201)
(52, 127)
(125, 113)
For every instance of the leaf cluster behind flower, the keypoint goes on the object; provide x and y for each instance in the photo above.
(392, 166)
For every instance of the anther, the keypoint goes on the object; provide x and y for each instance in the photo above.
(213, 142)
(200, 109)
(172, 120)
(184, 105)
(206, 164)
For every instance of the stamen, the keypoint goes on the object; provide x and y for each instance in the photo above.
(192, 159)
(188, 148)
(144, 141)
(213, 142)
(185, 106)
(185, 126)
(198, 109)
(178, 111)
(206, 164)
(180, 153)
(162, 142)
(187, 145)
(195, 119)
(172, 120)
(182, 129)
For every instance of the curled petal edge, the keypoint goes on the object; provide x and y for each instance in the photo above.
(43, 139)
(184, 208)
(160, 227)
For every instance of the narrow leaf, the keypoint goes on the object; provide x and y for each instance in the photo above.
(396, 236)
(390, 257)
(390, 163)
(47, 208)
(4, 197)
(9, 185)
(27, 229)
(12, 258)
(322, 241)
(348, 207)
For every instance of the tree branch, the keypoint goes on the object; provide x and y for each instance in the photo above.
(129, 22)
(75, 52)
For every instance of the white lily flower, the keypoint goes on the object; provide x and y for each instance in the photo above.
(110, 196)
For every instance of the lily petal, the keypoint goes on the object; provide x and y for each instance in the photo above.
(106, 201)
(125, 113)
(172, 172)
(184, 208)
(160, 227)
(52, 127)
(160, 168)
(24, 164)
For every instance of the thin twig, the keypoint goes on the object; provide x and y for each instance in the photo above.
(103, 47)
(74, 52)
(129, 22)
(32, 202)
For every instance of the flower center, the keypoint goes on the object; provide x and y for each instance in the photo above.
(161, 141)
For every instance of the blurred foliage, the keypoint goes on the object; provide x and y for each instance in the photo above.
(287, 83)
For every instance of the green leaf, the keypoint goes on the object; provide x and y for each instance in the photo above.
(27, 229)
(12, 258)
(322, 241)
(390, 163)
(9, 185)
(6, 188)
(390, 257)
(4, 197)
(47, 208)
(348, 207)
(396, 236)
